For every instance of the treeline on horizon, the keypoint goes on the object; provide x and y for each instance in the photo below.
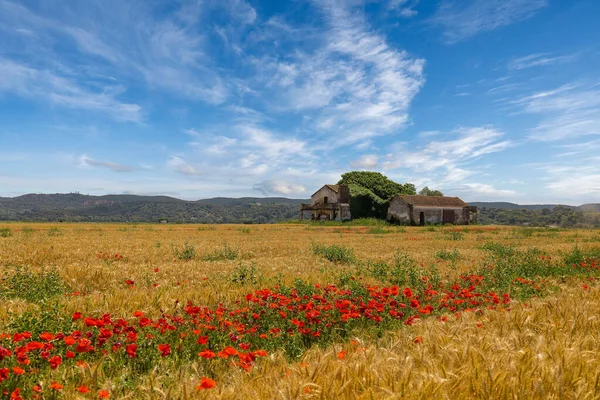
(370, 194)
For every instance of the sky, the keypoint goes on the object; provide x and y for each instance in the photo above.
(488, 100)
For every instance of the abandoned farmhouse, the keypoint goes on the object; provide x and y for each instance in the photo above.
(332, 203)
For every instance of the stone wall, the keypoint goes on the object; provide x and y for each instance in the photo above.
(325, 191)
(399, 212)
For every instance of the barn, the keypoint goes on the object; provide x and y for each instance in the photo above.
(422, 210)
(330, 203)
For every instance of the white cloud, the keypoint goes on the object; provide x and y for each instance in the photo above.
(85, 160)
(461, 19)
(474, 189)
(31, 83)
(270, 187)
(353, 87)
(472, 142)
(579, 179)
(368, 161)
(404, 8)
(168, 54)
(539, 60)
(567, 112)
(179, 165)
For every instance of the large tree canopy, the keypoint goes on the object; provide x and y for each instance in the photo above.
(370, 193)
(377, 183)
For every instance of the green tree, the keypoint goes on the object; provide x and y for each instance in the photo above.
(370, 193)
(429, 192)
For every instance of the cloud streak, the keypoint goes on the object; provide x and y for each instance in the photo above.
(461, 19)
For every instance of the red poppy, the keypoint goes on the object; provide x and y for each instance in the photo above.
(18, 370)
(56, 386)
(207, 354)
(76, 316)
(55, 362)
(203, 340)
(206, 383)
(103, 394)
(407, 292)
(16, 394)
(46, 336)
(131, 350)
(83, 389)
(165, 349)
(341, 355)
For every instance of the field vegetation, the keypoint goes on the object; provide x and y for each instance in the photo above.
(298, 311)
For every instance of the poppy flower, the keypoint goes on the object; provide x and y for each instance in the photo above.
(206, 383)
(76, 316)
(103, 394)
(407, 292)
(203, 340)
(18, 370)
(207, 354)
(83, 389)
(16, 394)
(56, 386)
(165, 349)
(55, 362)
(46, 336)
(37, 388)
(341, 355)
(131, 350)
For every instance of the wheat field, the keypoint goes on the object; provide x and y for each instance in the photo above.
(223, 311)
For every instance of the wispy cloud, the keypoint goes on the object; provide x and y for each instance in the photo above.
(472, 142)
(405, 8)
(461, 19)
(85, 160)
(566, 112)
(39, 84)
(540, 60)
(167, 54)
(270, 187)
(355, 82)
(180, 166)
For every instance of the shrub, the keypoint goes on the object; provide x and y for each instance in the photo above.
(5, 232)
(454, 235)
(447, 255)
(334, 253)
(32, 286)
(54, 231)
(244, 274)
(187, 253)
(224, 253)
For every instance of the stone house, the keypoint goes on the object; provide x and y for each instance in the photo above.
(330, 203)
(422, 210)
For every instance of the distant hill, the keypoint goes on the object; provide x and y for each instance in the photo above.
(132, 208)
(512, 206)
(592, 207)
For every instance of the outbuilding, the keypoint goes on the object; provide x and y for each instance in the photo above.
(422, 210)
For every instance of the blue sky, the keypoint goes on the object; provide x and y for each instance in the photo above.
(488, 100)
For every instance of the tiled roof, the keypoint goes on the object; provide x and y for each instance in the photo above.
(433, 201)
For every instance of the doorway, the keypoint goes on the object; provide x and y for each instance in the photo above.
(448, 216)
(422, 218)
